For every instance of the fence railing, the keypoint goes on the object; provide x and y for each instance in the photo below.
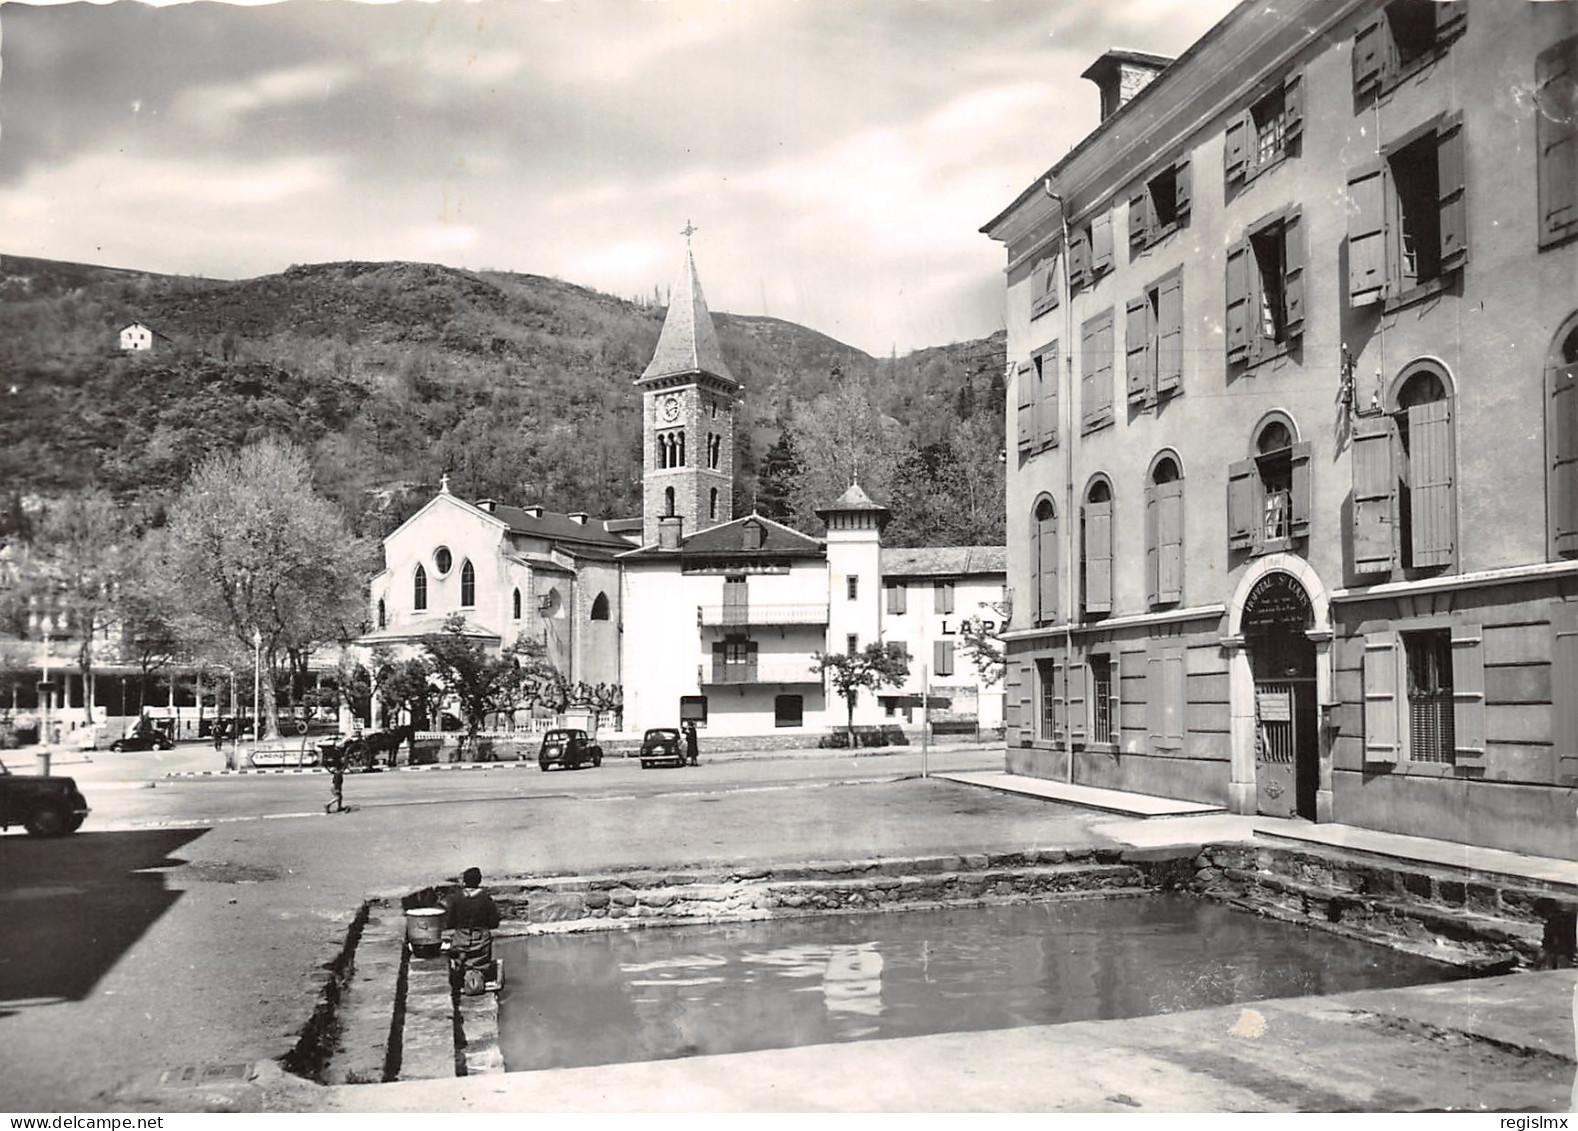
(738, 674)
(758, 612)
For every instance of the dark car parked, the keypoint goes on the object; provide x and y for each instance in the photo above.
(147, 737)
(571, 748)
(662, 745)
(45, 806)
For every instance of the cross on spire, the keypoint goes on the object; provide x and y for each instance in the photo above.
(689, 230)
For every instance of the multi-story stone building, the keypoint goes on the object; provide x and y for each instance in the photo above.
(1293, 504)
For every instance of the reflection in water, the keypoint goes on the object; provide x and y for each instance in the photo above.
(653, 994)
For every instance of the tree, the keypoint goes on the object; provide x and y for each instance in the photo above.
(255, 549)
(776, 478)
(152, 632)
(875, 666)
(842, 438)
(481, 683)
(405, 685)
(985, 649)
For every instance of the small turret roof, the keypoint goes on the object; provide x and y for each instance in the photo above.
(688, 343)
(854, 499)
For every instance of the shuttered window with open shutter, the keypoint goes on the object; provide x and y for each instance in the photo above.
(1044, 540)
(1098, 557)
(1169, 334)
(1293, 256)
(1043, 285)
(1244, 504)
(1025, 392)
(1556, 140)
(1563, 447)
(1451, 194)
(1371, 45)
(1136, 347)
(1430, 474)
(1046, 398)
(1139, 221)
(1235, 147)
(1170, 532)
(1183, 187)
(1300, 504)
(1293, 106)
(1241, 307)
(1468, 695)
(1564, 677)
(1101, 244)
(1385, 685)
(1374, 495)
(1078, 260)
(1367, 189)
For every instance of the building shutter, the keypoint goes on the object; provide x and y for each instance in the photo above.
(1293, 271)
(1451, 19)
(1241, 312)
(1046, 571)
(1101, 244)
(1374, 495)
(1043, 285)
(1078, 260)
(1077, 713)
(1139, 220)
(942, 593)
(1169, 317)
(1046, 408)
(1088, 359)
(1450, 194)
(1430, 482)
(897, 598)
(1243, 504)
(1367, 278)
(1136, 349)
(1059, 700)
(1293, 106)
(1468, 695)
(1300, 505)
(1098, 557)
(1563, 411)
(1556, 139)
(1385, 681)
(750, 661)
(1564, 674)
(1101, 346)
(1155, 698)
(1025, 386)
(1183, 194)
(1021, 696)
(1235, 148)
(1151, 548)
(1174, 707)
(1170, 523)
(942, 657)
(1371, 44)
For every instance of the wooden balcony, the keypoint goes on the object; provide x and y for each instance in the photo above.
(773, 672)
(760, 613)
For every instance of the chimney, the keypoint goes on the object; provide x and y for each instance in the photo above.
(578, 516)
(1120, 75)
(535, 511)
(670, 529)
(489, 505)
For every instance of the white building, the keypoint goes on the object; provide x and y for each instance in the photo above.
(138, 337)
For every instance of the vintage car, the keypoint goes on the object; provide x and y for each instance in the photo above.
(44, 806)
(570, 748)
(662, 745)
(146, 736)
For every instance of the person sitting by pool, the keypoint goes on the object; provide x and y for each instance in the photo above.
(472, 918)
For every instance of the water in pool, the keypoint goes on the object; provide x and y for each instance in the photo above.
(653, 994)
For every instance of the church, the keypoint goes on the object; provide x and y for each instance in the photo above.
(696, 614)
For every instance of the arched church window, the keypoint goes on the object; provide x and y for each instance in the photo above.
(419, 589)
(600, 607)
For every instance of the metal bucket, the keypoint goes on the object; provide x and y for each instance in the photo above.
(424, 930)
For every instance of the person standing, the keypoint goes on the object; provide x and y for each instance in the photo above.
(336, 783)
(472, 919)
(692, 746)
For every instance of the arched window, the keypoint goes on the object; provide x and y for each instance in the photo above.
(668, 501)
(600, 607)
(1561, 429)
(383, 616)
(1404, 461)
(419, 589)
(1164, 521)
(1096, 548)
(1043, 557)
(712, 504)
(468, 585)
(516, 604)
(1268, 494)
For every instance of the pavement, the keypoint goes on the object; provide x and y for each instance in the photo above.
(161, 958)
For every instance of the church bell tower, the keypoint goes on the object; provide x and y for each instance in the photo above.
(688, 400)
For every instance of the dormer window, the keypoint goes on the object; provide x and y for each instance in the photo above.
(751, 536)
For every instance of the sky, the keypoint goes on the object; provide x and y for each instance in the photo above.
(836, 157)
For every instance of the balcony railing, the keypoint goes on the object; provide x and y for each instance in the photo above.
(726, 616)
(780, 671)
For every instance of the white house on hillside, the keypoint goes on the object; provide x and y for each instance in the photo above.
(139, 337)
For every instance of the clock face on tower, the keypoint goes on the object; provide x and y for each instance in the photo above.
(670, 408)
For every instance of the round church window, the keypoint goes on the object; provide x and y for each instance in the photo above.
(443, 559)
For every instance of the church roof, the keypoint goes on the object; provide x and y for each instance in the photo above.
(556, 526)
(688, 343)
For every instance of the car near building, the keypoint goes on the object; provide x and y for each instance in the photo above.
(44, 806)
(662, 745)
(569, 748)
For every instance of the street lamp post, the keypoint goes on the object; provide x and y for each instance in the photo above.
(257, 688)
